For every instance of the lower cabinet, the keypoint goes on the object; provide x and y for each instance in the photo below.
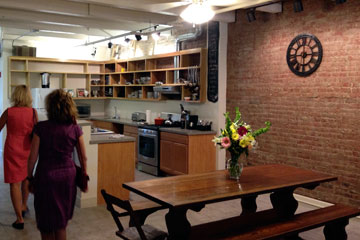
(183, 154)
(132, 131)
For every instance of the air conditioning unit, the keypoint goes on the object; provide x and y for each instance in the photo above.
(24, 51)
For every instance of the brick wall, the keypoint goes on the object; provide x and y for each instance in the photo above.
(316, 119)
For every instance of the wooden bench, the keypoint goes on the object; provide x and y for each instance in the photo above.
(141, 208)
(334, 218)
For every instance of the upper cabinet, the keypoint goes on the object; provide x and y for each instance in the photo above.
(172, 76)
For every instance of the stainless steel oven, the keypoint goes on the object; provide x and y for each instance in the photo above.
(148, 150)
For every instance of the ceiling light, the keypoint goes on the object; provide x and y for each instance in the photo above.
(340, 1)
(198, 12)
(298, 6)
(250, 15)
(110, 44)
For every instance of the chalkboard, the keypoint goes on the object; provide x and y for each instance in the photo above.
(213, 61)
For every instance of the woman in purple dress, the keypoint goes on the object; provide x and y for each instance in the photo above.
(54, 185)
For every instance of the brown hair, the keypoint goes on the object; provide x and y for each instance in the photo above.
(61, 107)
(21, 97)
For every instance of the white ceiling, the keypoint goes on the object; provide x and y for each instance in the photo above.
(102, 18)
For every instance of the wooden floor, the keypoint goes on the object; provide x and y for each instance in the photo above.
(96, 223)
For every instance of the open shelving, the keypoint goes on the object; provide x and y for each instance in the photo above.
(131, 79)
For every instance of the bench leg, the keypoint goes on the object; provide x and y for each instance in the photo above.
(336, 230)
(248, 205)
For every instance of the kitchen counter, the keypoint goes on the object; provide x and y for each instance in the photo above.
(110, 138)
(83, 123)
(188, 132)
(118, 121)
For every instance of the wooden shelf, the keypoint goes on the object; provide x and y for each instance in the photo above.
(74, 74)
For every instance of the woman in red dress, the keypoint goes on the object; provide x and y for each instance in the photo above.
(19, 120)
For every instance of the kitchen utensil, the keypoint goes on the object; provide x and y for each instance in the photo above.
(159, 121)
(169, 121)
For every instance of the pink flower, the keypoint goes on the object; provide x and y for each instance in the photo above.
(225, 142)
(242, 131)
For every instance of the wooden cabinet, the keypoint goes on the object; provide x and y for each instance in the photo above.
(183, 154)
(131, 79)
(132, 131)
(116, 165)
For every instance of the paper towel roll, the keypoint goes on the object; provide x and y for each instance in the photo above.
(148, 116)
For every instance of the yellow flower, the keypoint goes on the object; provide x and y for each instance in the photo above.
(235, 136)
(243, 142)
(233, 128)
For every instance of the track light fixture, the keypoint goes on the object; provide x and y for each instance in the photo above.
(298, 6)
(138, 36)
(340, 1)
(250, 15)
(110, 44)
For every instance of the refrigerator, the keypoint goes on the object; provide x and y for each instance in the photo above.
(38, 96)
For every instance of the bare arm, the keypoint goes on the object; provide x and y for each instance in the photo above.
(34, 152)
(80, 148)
(3, 119)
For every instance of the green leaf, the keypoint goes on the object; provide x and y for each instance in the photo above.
(262, 130)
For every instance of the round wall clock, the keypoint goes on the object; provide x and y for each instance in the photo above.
(304, 54)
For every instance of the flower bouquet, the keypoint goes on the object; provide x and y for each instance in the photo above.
(237, 138)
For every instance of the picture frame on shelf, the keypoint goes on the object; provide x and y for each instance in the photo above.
(80, 92)
(71, 92)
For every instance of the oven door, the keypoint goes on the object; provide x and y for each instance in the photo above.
(148, 145)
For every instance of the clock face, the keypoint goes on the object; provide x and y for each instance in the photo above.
(304, 54)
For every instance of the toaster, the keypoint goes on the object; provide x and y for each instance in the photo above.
(138, 117)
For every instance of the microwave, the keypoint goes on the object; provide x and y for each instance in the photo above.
(84, 110)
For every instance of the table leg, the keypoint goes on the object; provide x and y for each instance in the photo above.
(177, 224)
(336, 230)
(248, 205)
(284, 203)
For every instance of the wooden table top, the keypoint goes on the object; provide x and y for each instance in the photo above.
(216, 186)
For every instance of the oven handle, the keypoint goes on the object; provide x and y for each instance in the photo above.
(147, 135)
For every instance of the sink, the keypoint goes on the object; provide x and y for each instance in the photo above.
(97, 131)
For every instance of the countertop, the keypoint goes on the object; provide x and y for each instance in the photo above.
(83, 123)
(176, 130)
(110, 138)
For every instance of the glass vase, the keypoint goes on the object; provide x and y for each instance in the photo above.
(234, 167)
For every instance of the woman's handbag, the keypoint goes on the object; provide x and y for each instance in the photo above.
(81, 179)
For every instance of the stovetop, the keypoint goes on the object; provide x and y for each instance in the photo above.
(157, 127)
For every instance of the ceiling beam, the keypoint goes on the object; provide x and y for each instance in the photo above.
(56, 19)
(30, 26)
(245, 4)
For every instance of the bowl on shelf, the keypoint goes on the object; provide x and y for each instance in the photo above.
(187, 98)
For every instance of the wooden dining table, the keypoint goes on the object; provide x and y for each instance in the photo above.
(194, 191)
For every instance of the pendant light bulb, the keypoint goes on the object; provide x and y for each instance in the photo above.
(198, 12)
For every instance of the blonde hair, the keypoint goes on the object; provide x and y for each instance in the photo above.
(61, 107)
(21, 97)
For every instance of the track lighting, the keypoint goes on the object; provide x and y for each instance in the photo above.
(340, 1)
(138, 36)
(250, 15)
(298, 6)
(110, 44)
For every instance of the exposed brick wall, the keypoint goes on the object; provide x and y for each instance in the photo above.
(316, 119)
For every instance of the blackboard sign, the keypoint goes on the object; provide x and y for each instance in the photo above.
(213, 61)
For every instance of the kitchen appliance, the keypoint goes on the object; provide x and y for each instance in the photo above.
(192, 122)
(167, 89)
(84, 110)
(45, 80)
(149, 145)
(138, 117)
(184, 116)
(38, 96)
